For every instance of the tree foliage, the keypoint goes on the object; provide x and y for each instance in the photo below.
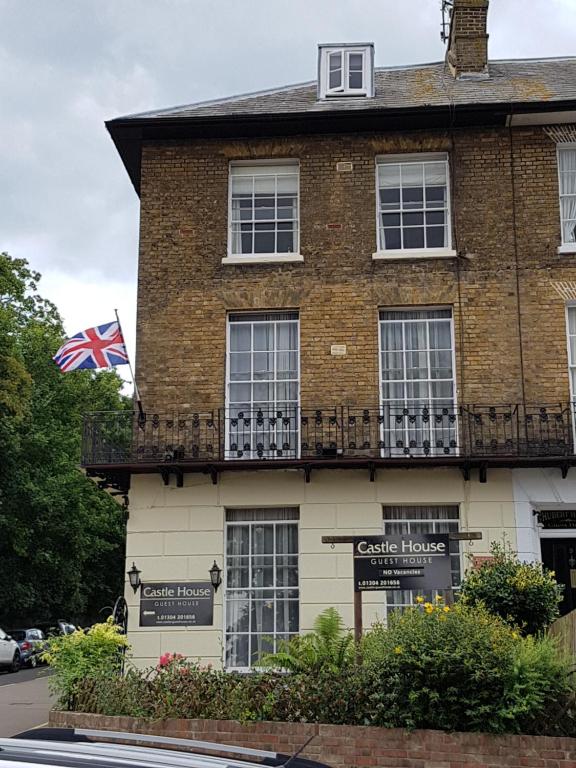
(523, 594)
(61, 539)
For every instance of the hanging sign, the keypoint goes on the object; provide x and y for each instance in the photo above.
(170, 604)
(419, 561)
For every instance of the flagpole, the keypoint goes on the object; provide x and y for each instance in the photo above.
(141, 416)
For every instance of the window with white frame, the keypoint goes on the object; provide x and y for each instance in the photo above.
(402, 520)
(346, 70)
(417, 382)
(261, 583)
(263, 209)
(567, 182)
(413, 203)
(263, 385)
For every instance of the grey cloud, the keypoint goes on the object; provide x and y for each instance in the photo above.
(67, 65)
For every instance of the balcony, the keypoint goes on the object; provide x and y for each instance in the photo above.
(117, 444)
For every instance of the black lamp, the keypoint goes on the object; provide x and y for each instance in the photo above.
(134, 577)
(215, 576)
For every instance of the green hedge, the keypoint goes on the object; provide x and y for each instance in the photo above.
(457, 668)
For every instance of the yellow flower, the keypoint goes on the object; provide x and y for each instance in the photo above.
(419, 599)
(446, 609)
(428, 607)
(515, 635)
(398, 649)
(439, 598)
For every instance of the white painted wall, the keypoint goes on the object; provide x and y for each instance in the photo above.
(536, 489)
(176, 533)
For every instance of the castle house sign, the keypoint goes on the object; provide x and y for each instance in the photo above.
(186, 603)
(420, 562)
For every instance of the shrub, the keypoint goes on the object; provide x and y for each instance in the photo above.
(525, 595)
(452, 668)
(459, 668)
(93, 652)
(329, 647)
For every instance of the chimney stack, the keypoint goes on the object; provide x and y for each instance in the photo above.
(467, 54)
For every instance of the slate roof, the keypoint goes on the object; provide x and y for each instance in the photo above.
(417, 86)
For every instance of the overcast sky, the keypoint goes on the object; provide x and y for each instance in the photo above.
(66, 203)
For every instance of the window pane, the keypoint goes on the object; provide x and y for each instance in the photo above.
(286, 539)
(414, 237)
(262, 539)
(240, 363)
(412, 175)
(335, 70)
(391, 239)
(435, 174)
(355, 70)
(237, 651)
(435, 237)
(287, 619)
(287, 184)
(412, 197)
(238, 572)
(389, 177)
(237, 615)
(240, 335)
(238, 542)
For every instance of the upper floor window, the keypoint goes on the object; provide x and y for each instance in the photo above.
(263, 215)
(346, 70)
(567, 180)
(413, 203)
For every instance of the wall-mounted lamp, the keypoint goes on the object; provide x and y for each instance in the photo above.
(215, 576)
(134, 577)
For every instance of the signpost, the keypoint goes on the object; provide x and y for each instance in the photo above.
(410, 561)
(187, 603)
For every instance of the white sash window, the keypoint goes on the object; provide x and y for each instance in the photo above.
(417, 382)
(261, 583)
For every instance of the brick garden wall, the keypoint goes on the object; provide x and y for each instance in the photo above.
(185, 291)
(353, 746)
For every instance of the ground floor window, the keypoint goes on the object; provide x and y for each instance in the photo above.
(399, 520)
(261, 582)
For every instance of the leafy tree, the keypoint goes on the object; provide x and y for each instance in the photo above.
(61, 538)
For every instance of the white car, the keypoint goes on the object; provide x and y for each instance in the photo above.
(9, 653)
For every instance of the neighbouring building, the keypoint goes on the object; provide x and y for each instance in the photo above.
(356, 315)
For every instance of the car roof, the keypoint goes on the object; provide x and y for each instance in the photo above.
(77, 748)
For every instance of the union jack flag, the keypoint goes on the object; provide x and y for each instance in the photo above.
(99, 347)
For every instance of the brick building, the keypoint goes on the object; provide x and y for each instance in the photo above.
(356, 315)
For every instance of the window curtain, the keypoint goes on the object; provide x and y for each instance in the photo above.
(567, 165)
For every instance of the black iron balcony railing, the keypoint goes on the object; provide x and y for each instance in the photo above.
(384, 432)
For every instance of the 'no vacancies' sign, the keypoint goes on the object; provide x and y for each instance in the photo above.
(419, 561)
(188, 603)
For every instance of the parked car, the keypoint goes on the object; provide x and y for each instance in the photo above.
(55, 628)
(79, 748)
(32, 642)
(10, 656)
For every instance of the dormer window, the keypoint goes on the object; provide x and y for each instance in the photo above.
(345, 70)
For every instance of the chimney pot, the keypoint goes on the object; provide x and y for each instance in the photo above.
(467, 54)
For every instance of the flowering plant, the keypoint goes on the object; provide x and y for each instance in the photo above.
(526, 595)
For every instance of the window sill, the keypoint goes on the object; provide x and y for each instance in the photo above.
(438, 253)
(263, 258)
(567, 248)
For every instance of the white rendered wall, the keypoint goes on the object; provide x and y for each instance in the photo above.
(177, 533)
(536, 489)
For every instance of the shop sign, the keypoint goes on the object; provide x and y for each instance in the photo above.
(170, 604)
(420, 562)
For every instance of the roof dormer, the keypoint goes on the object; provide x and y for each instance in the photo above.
(345, 69)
